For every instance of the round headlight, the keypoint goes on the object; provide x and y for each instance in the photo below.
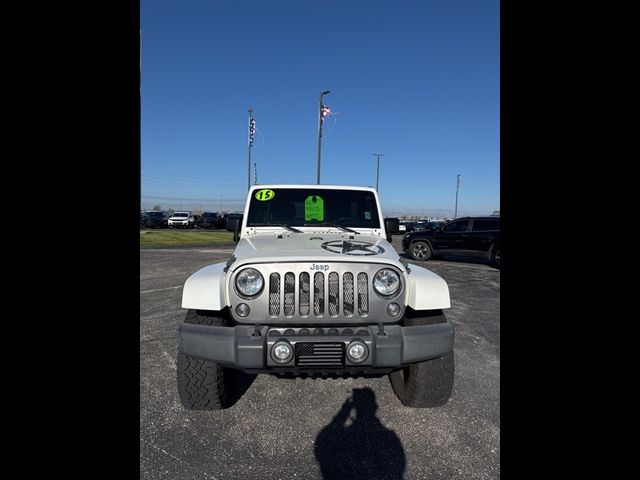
(386, 282)
(249, 282)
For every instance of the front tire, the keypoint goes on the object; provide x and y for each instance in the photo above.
(420, 251)
(203, 385)
(425, 384)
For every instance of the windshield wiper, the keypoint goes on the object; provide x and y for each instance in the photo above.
(346, 229)
(283, 225)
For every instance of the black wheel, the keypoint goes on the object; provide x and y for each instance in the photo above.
(420, 250)
(425, 384)
(495, 257)
(204, 385)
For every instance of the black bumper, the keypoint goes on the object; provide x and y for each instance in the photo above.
(241, 347)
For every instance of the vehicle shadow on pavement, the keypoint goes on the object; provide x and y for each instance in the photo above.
(356, 445)
(238, 383)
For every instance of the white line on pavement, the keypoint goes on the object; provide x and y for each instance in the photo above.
(161, 289)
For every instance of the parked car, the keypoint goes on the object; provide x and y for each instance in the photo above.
(181, 219)
(469, 237)
(154, 219)
(210, 220)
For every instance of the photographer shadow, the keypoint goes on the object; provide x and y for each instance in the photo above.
(355, 445)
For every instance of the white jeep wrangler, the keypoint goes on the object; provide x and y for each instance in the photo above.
(314, 288)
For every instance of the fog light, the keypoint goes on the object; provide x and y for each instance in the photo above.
(357, 351)
(242, 310)
(393, 309)
(281, 352)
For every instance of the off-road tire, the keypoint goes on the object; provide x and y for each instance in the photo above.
(425, 384)
(203, 385)
(420, 251)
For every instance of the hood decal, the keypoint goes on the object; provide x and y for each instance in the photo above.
(355, 247)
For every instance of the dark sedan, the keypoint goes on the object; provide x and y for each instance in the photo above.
(469, 237)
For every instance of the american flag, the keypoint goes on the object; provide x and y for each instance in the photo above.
(252, 131)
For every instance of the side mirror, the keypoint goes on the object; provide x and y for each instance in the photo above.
(391, 225)
(236, 230)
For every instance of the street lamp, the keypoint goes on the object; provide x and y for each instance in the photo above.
(378, 170)
(320, 130)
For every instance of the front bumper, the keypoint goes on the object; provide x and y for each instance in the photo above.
(241, 347)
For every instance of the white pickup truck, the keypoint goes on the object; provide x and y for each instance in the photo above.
(314, 288)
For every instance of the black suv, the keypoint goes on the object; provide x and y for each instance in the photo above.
(210, 220)
(468, 236)
(154, 219)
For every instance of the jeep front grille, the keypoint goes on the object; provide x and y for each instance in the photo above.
(326, 294)
(318, 294)
(304, 294)
(274, 294)
(334, 294)
(363, 294)
(347, 287)
(289, 293)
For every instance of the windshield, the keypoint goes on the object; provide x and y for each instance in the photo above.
(154, 214)
(209, 215)
(180, 214)
(313, 207)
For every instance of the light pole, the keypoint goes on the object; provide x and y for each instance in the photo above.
(378, 170)
(252, 128)
(455, 214)
(320, 120)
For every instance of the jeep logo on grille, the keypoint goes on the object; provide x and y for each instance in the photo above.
(352, 248)
(322, 268)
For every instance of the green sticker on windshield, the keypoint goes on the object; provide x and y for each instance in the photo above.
(264, 195)
(314, 208)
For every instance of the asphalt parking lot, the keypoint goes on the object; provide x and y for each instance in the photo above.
(305, 428)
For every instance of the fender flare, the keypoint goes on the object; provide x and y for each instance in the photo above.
(426, 290)
(206, 289)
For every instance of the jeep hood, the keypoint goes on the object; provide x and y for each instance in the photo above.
(315, 247)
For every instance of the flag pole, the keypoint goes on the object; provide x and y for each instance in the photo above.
(251, 127)
(320, 120)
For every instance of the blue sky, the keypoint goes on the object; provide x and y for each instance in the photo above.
(415, 80)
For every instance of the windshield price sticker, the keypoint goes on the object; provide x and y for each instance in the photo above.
(314, 208)
(264, 195)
